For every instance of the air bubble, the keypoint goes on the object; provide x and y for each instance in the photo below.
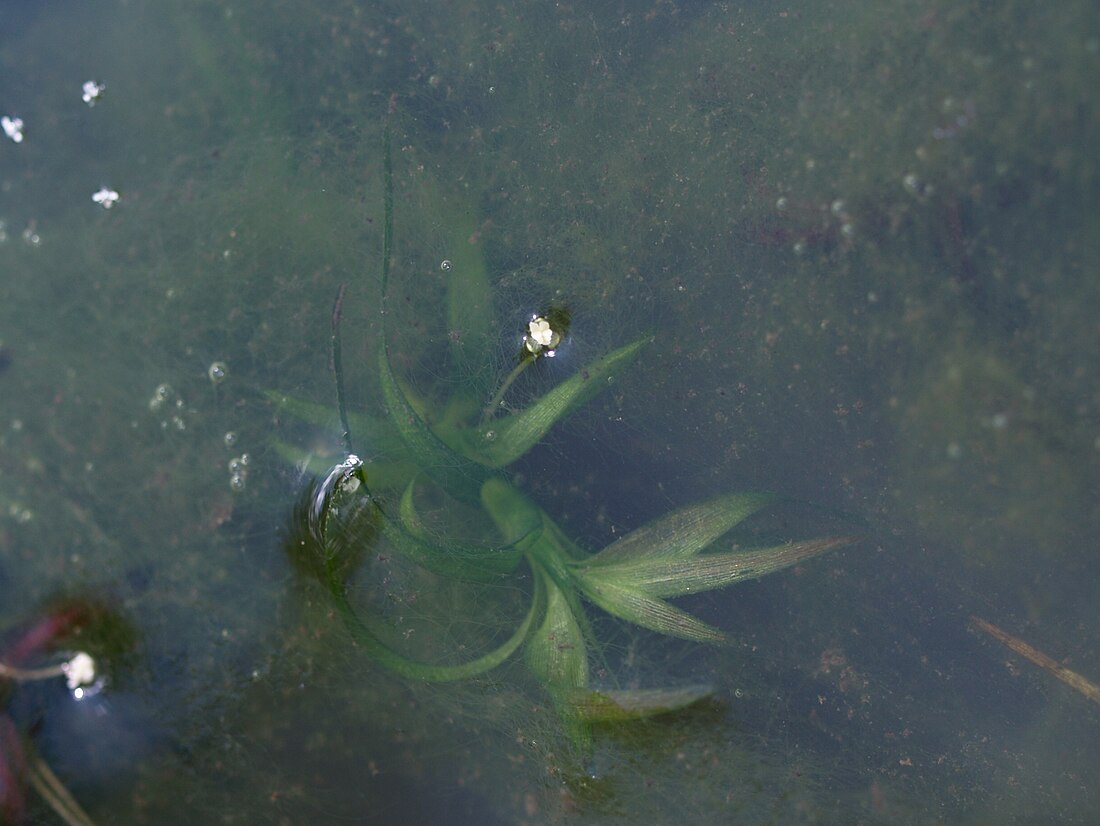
(217, 372)
(229, 439)
(237, 482)
(446, 265)
(20, 514)
(161, 395)
(489, 435)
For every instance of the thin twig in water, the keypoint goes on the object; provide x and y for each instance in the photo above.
(1071, 678)
(53, 791)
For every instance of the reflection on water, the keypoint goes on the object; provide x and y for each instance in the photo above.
(862, 244)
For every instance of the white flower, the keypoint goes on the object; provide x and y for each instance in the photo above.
(541, 333)
(105, 197)
(79, 671)
(92, 92)
(541, 338)
(13, 128)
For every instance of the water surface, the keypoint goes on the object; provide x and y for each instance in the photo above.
(863, 240)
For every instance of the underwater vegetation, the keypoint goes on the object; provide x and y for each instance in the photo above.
(459, 451)
(91, 640)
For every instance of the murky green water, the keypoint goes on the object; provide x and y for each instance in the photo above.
(865, 242)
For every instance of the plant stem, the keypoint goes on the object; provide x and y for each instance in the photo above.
(491, 408)
(26, 675)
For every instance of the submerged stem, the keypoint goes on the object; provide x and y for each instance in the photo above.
(27, 675)
(53, 791)
(492, 407)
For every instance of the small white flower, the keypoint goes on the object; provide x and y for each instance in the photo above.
(79, 671)
(541, 333)
(93, 92)
(13, 128)
(105, 197)
(541, 338)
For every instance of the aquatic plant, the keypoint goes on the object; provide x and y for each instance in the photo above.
(461, 448)
(70, 627)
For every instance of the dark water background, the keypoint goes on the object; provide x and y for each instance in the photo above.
(866, 240)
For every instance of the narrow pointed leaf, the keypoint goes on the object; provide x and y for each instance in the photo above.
(455, 473)
(641, 609)
(615, 706)
(377, 433)
(383, 475)
(469, 292)
(407, 509)
(515, 515)
(416, 669)
(556, 652)
(677, 577)
(524, 523)
(514, 435)
(467, 562)
(684, 532)
(461, 561)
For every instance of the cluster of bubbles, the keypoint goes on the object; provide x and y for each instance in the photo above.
(164, 400)
(20, 513)
(30, 234)
(916, 187)
(837, 211)
(167, 403)
(238, 467)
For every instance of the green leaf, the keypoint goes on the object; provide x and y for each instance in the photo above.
(515, 515)
(478, 563)
(466, 562)
(641, 609)
(616, 706)
(677, 577)
(684, 532)
(383, 475)
(455, 473)
(408, 667)
(469, 292)
(515, 434)
(377, 433)
(407, 509)
(556, 653)
(523, 522)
